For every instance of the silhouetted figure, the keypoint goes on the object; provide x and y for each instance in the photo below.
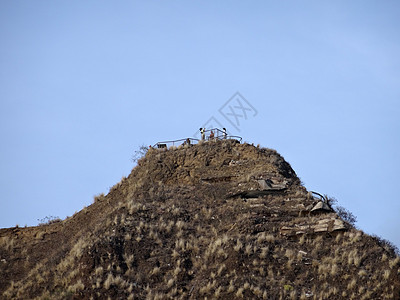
(224, 132)
(203, 133)
(212, 135)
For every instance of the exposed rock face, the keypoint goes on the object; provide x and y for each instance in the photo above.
(321, 207)
(329, 223)
(269, 185)
(213, 220)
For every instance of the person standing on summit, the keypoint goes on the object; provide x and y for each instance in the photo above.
(224, 133)
(212, 135)
(203, 133)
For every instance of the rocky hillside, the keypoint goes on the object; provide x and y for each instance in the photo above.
(213, 220)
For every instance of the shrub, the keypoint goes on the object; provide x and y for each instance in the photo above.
(342, 212)
(387, 245)
(99, 197)
(49, 220)
(331, 201)
(287, 287)
(346, 215)
(139, 153)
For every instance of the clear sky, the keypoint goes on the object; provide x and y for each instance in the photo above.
(84, 83)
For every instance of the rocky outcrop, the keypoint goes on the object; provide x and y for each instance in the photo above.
(327, 224)
(321, 207)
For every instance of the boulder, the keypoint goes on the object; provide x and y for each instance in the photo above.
(268, 185)
(321, 207)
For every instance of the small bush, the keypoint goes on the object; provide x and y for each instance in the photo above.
(287, 287)
(331, 201)
(49, 220)
(346, 215)
(99, 197)
(138, 154)
(342, 212)
(387, 245)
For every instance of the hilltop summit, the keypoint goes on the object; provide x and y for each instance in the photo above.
(218, 219)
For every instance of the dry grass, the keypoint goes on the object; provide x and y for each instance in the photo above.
(76, 287)
(181, 237)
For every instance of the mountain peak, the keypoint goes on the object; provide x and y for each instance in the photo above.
(219, 219)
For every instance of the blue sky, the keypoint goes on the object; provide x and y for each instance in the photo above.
(84, 83)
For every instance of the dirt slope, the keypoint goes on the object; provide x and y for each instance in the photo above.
(213, 220)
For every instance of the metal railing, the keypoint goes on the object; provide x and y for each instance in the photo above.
(218, 134)
(167, 144)
(321, 196)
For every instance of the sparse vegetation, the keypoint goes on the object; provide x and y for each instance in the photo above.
(346, 215)
(139, 153)
(387, 245)
(99, 197)
(48, 220)
(342, 212)
(174, 229)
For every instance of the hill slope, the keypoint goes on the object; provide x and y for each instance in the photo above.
(213, 220)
